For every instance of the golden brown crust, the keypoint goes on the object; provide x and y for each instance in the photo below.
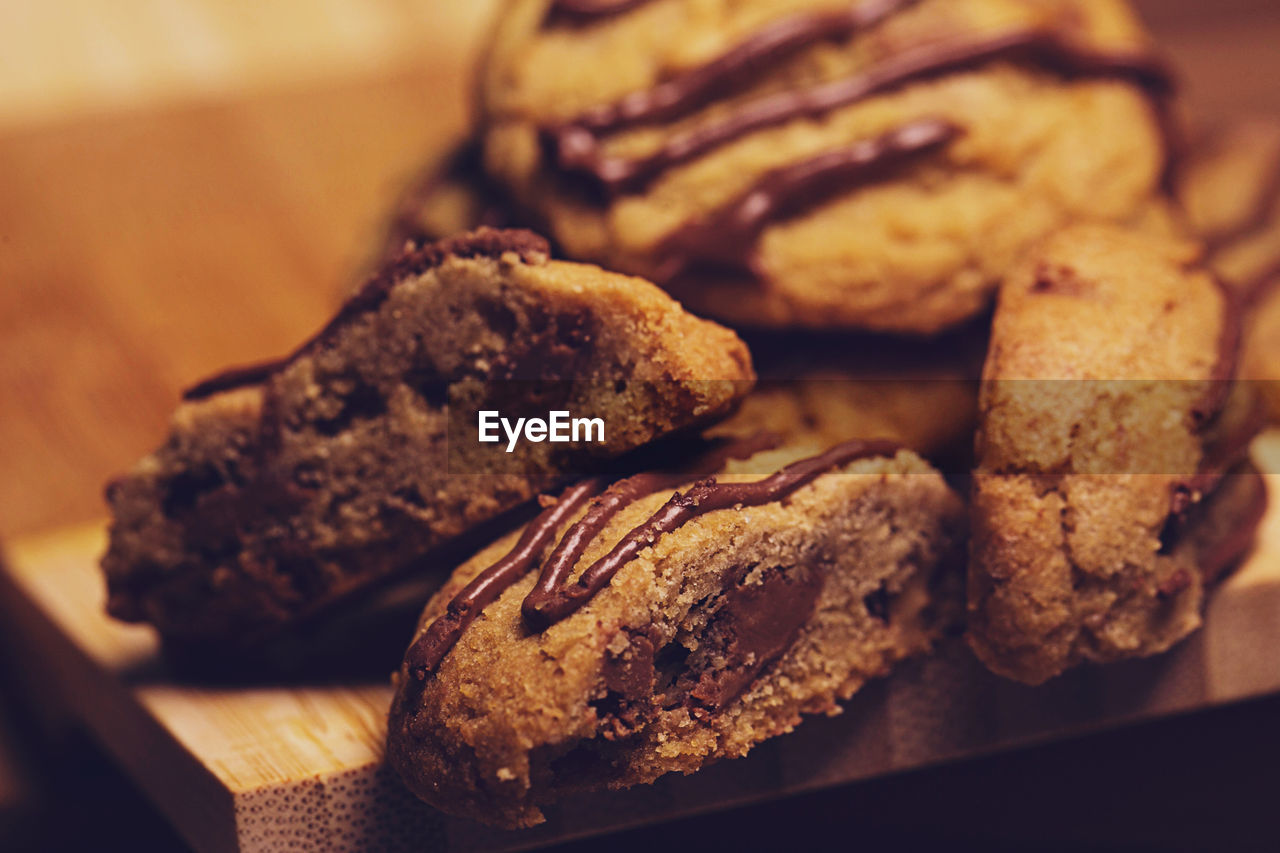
(619, 693)
(1105, 348)
(356, 455)
(918, 250)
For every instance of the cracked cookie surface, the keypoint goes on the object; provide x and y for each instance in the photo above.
(876, 164)
(710, 638)
(1110, 362)
(284, 488)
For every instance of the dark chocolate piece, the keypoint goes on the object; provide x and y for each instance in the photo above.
(430, 648)
(551, 600)
(481, 243)
(575, 146)
(758, 623)
(726, 239)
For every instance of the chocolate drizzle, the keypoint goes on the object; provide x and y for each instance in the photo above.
(552, 599)
(726, 239)
(575, 147)
(698, 86)
(425, 655)
(481, 243)
(587, 11)
(430, 648)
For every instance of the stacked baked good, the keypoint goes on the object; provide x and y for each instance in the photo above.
(852, 187)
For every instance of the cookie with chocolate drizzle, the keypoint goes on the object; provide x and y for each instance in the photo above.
(286, 487)
(873, 164)
(1102, 509)
(669, 620)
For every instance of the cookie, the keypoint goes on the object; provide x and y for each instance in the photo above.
(823, 389)
(1101, 449)
(284, 488)
(666, 631)
(871, 165)
(1230, 190)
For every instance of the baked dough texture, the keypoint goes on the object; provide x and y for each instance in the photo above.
(1110, 361)
(285, 488)
(713, 638)
(986, 155)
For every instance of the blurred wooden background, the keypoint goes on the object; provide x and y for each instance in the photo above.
(190, 183)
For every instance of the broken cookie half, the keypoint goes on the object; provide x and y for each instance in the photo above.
(1113, 486)
(286, 487)
(670, 620)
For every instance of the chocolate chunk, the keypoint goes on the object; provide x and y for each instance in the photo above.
(757, 624)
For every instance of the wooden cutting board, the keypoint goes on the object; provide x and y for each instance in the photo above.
(265, 767)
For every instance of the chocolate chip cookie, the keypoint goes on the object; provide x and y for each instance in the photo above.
(1101, 455)
(286, 487)
(641, 632)
(877, 164)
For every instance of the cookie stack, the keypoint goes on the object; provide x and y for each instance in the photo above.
(810, 256)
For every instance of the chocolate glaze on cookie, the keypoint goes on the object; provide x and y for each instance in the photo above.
(551, 600)
(427, 652)
(696, 87)
(575, 146)
(726, 240)
(586, 11)
(482, 243)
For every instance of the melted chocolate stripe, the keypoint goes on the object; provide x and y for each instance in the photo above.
(575, 147)
(425, 655)
(551, 600)
(430, 648)
(726, 239)
(584, 11)
(694, 88)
